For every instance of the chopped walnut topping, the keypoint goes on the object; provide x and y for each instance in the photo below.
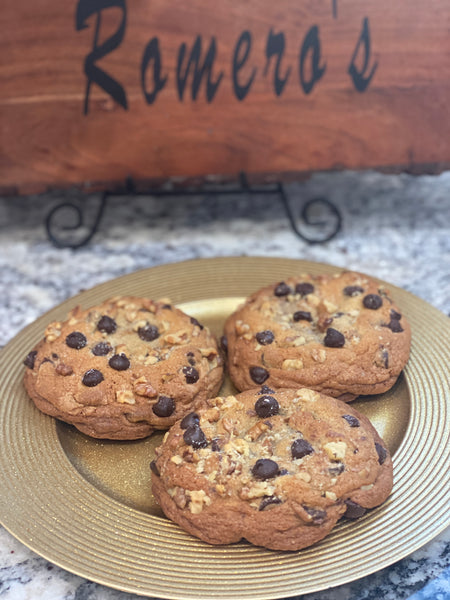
(177, 338)
(319, 355)
(125, 397)
(308, 395)
(330, 306)
(257, 490)
(208, 353)
(312, 299)
(212, 415)
(53, 331)
(198, 498)
(335, 450)
(152, 359)
(179, 497)
(64, 370)
(237, 445)
(241, 327)
(331, 496)
(291, 363)
(256, 431)
(366, 488)
(176, 459)
(306, 477)
(142, 387)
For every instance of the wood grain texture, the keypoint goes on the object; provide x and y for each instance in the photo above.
(399, 121)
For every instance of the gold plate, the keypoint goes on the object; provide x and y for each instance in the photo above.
(86, 504)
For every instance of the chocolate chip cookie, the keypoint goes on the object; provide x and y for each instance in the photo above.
(278, 468)
(342, 335)
(123, 368)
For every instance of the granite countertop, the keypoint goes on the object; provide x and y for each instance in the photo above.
(396, 227)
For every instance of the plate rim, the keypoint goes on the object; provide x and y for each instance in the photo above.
(50, 429)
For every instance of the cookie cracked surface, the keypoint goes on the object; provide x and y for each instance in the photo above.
(123, 368)
(278, 468)
(341, 335)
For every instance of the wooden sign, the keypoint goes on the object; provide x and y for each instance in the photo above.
(95, 91)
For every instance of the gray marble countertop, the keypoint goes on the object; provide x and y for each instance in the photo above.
(394, 227)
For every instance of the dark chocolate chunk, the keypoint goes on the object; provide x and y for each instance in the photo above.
(394, 326)
(266, 406)
(76, 340)
(194, 436)
(318, 515)
(259, 374)
(164, 407)
(154, 468)
(353, 290)
(372, 301)
(92, 377)
(385, 358)
(196, 323)
(334, 338)
(265, 389)
(351, 420)
(265, 468)
(101, 349)
(302, 315)
(382, 453)
(300, 448)
(396, 316)
(268, 500)
(354, 510)
(265, 337)
(148, 333)
(119, 362)
(30, 359)
(215, 445)
(190, 419)
(304, 288)
(282, 289)
(191, 359)
(107, 325)
(336, 469)
(191, 374)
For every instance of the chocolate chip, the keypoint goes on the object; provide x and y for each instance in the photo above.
(164, 407)
(191, 359)
(215, 445)
(336, 469)
(196, 323)
(265, 337)
(302, 315)
(191, 374)
(55, 356)
(266, 406)
(224, 343)
(119, 362)
(372, 301)
(268, 500)
(282, 289)
(382, 453)
(30, 359)
(385, 358)
(318, 515)
(189, 420)
(353, 290)
(396, 316)
(394, 326)
(92, 377)
(265, 468)
(259, 374)
(351, 420)
(266, 390)
(107, 325)
(101, 349)
(354, 510)
(304, 288)
(194, 436)
(148, 333)
(334, 338)
(76, 340)
(154, 468)
(300, 448)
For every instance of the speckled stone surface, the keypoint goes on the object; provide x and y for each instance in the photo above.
(394, 227)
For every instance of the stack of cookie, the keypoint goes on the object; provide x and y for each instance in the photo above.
(283, 459)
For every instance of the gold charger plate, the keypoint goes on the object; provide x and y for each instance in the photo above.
(86, 505)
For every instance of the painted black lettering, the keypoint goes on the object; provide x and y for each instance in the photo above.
(275, 47)
(311, 47)
(360, 77)
(199, 70)
(241, 53)
(94, 74)
(152, 54)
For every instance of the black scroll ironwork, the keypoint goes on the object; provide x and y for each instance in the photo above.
(319, 220)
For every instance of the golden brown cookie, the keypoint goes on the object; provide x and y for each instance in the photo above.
(124, 368)
(342, 335)
(277, 468)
